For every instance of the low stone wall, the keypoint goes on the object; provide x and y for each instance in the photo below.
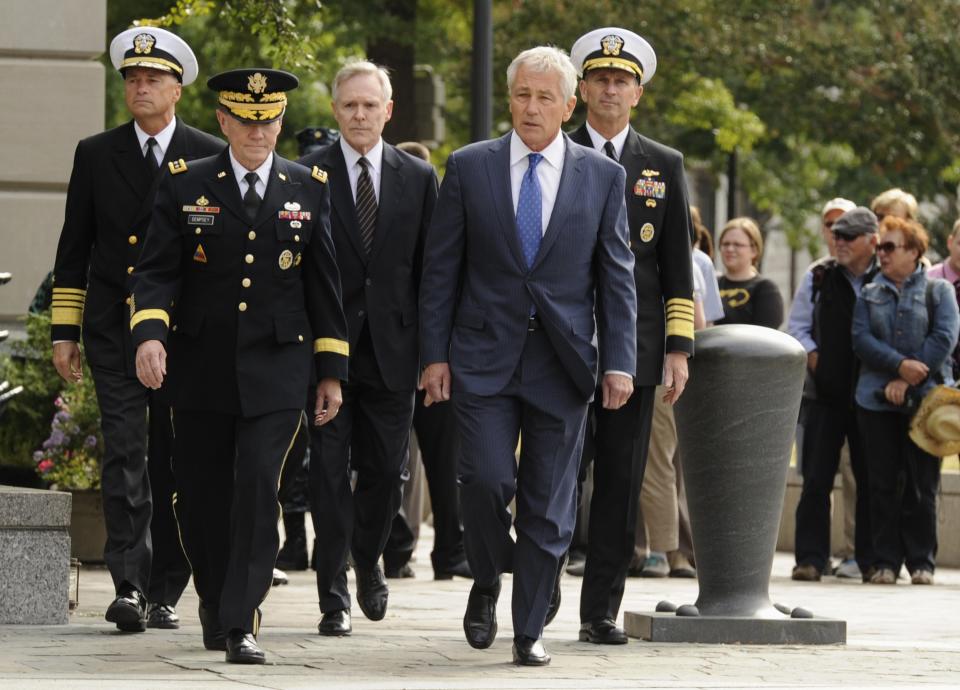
(34, 556)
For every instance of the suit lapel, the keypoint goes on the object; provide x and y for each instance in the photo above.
(341, 198)
(633, 158)
(224, 187)
(568, 194)
(278, 191)
(128, 159)
(498, 173)
(391, 191)
(176, 149)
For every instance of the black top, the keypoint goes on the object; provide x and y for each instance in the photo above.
(756, 301)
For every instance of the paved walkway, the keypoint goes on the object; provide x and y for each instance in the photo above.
(903, 636)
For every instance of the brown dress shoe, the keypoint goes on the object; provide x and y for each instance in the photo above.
(805, 572)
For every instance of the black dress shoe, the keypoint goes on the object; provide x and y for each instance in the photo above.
(458, 569)
(399, 573)
(163, 617)
(279, 578)
(128, 611)
(242, 648)
(603, 631)
(529, 652)
(372, 592)
(480, 620)
(213, 637)
(335, 623)
(555, 597)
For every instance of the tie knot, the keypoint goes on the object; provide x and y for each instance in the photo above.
(251, 178)
(534, 158)
(363, 162)
(151, 142)
(609, 150)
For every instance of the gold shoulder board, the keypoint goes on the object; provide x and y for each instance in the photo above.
(319, 175)
(178, 166)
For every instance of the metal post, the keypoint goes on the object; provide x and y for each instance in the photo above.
(481, 72)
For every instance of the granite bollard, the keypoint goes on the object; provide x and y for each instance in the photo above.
(736, 422)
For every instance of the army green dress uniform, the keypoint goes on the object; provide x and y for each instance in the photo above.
(658, 214)
(109, 203)
(244, 307)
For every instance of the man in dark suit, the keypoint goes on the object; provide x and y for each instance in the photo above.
(109, 202)
(242, 242)
(382, 201)
(527, 266)
(615, 64)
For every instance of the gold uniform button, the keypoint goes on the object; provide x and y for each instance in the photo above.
(300, 338)
(197, 230)
(246, 282)
(132, 239)
(127, 300)
(248, 258)
(242, 306)
(252, 235)
(129, 270)
(174, 327)
(296, 238)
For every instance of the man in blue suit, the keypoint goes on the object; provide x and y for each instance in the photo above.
(527, 265)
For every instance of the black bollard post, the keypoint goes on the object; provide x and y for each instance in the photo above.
(736, 423)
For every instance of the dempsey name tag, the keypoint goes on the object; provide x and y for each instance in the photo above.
(200, 219)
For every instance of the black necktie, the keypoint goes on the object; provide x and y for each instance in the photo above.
(366, 206)
(608, 149)
(251, 200)
(152, 161)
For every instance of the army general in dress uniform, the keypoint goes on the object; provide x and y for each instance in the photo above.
(109, 201)
(236, 289)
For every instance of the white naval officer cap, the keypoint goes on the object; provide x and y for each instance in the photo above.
(154, 48)
(614, 48)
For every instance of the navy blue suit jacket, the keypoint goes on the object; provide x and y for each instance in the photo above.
(477, 292)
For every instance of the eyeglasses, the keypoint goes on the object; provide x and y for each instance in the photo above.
(734, 245)
(888, 247)
(846, 236)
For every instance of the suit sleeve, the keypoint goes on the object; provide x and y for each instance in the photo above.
(156, 277)
(616, 287)
(426, 215)
(673, 258)
(442, 261)
(331, 346)
(73, 251)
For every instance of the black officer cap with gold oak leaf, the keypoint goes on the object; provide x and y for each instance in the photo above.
(254, 95)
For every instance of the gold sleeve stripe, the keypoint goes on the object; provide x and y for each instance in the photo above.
(69, 301)
(148, 314)
(69, 291)
(682, 329)
(340, 347)
(680, 301)
(677, 310)
(66, 316)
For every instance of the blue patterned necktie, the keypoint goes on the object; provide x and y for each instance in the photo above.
(530, 211)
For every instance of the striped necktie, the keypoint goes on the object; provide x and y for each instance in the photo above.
(366, 206)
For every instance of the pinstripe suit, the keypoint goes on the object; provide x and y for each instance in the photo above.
(477, 294)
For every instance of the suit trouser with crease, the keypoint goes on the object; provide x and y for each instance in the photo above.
(540, 402)
(227, 469)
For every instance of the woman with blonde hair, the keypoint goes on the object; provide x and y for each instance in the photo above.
(747, 296)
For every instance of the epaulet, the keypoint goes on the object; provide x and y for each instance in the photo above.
(178, 166)
(319, 175)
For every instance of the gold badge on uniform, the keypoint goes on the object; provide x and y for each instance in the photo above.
(611, 44)
(651, 203)
(297, 259)
(221, 174)
(256, 83)
(319, 175)
(143, 44)
(650, 173)
(203, 201)
(646, 232)
(282, 176)
(286, 259)
(199, 255)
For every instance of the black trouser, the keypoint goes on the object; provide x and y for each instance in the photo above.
(124, 482)
(622, 439)
(824, 430)
(227, 469)
(380, 421)
(904, 481)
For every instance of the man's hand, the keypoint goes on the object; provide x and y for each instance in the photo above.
(67, 360)
(329, 400)
(675, 375)
(617, 389)
(896, 391)
(151, 363)
(812, 358)
(435, 380)
(913, 371)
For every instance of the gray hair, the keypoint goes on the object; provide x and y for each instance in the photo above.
(546, 59)
(355, 68)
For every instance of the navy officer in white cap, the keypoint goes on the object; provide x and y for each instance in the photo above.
(615, 64)
(109, 204)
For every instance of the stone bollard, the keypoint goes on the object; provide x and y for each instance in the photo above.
(736, 423)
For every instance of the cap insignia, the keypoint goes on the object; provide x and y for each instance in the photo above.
(611, 44)
(203, 201)
(143, 44)
(256, 83)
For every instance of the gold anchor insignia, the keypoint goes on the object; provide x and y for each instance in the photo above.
(650, 173)
(611, 45)
(203, 201)
(143, 44)
(257, 83)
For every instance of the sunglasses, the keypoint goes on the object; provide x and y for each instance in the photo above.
(888, 247)
(845, 236)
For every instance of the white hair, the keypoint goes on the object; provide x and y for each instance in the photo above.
(355, 68)
(546, 59)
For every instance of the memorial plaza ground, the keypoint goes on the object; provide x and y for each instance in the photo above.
(897, 636)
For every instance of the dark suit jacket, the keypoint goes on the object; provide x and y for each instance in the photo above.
(253, 299)
(660, 237)
(583, 269)
(381, 290)
(109, 202)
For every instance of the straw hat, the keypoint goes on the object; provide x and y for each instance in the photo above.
(935, 427)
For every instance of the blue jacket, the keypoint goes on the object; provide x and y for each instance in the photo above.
(891, 325)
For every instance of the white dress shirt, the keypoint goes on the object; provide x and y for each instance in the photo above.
(163, 138)
(263, 174)
(618, 141)
(548, 173)
(352, 158)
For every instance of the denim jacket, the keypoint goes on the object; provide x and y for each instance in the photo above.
(891, 325)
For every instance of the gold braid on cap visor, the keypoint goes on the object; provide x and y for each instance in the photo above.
(241, 104)
(615, 63)
(152, 63)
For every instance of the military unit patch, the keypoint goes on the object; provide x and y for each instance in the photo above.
(199, 255)
(650, 188)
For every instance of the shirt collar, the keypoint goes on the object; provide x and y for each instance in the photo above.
(163, 137)
(599, 140)
(948, 273)
(374, 156)
(263, 172)
(553, 153)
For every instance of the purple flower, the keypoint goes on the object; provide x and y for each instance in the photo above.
(90, 441)
(61, 417)
(57, 438)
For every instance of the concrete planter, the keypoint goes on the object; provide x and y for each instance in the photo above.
(88, 532)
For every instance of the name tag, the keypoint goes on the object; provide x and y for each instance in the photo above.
(199, 219)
